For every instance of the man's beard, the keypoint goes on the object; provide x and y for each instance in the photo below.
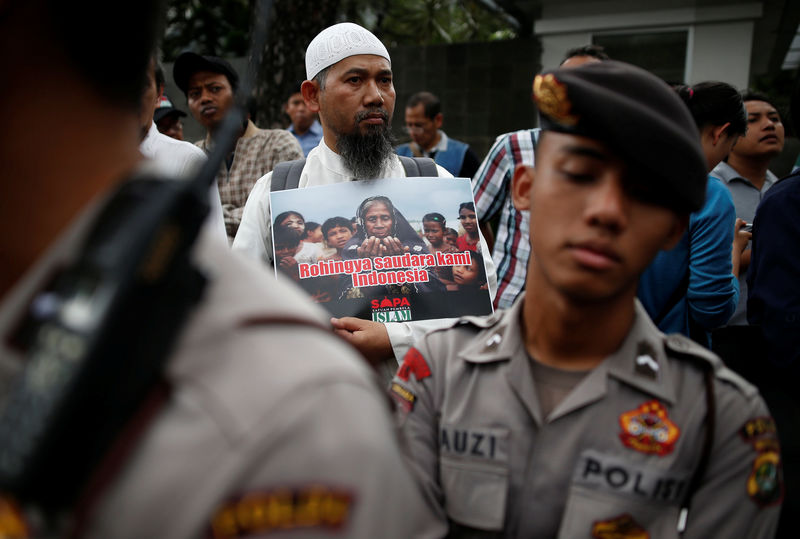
(366, 154)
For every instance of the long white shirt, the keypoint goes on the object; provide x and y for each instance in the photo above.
(178, 159)
(325, 167)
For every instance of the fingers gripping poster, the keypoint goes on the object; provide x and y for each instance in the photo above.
(390, 250)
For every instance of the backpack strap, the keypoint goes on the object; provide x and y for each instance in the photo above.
(286, 175)
(419, 166)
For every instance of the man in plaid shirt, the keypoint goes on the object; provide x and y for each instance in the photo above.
(210, 84)
(491, 187)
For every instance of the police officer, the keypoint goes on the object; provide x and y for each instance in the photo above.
(570, 414)
(269, 425)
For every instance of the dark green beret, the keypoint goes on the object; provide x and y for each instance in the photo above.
(639, 117)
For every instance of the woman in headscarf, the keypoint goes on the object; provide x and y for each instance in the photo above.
(384, 231)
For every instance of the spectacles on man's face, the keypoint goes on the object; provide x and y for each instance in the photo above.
(415, 128)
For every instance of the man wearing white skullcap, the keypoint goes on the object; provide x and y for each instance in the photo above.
(350, 85)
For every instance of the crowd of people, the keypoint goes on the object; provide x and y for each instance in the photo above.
(600, 399)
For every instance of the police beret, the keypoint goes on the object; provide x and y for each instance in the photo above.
(639, 117)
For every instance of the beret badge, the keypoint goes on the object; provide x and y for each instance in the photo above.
(551, 98)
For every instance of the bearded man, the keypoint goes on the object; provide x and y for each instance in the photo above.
(349, 84)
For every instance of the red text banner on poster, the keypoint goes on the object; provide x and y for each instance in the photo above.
(372, 271)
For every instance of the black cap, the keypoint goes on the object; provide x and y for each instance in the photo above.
(189, 63)
(164, 109)
(639, 117)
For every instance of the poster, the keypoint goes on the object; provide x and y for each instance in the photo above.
(380, 250)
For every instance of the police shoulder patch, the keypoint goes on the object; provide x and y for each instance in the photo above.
(415, 363)
(621, 527)
(761, 433)
(648, 429)
(257, 513)
(765, 483)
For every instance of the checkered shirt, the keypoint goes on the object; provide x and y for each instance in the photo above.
(257, 153)
(492, 190)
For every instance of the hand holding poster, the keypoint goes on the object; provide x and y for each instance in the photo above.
(392, 261)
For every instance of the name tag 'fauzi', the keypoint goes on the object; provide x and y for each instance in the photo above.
(480, 443)
(607, 473)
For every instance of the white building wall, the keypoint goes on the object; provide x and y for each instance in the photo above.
(719, 43)
(721, 52)
(555, 46)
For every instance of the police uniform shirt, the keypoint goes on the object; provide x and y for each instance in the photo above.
(615, 456)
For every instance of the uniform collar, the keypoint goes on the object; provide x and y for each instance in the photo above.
(640, 362)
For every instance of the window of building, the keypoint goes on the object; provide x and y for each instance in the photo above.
(661, 53)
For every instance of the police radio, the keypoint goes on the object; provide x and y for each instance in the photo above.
(97, 338)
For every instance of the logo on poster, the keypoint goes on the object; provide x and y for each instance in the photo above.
(391, 310)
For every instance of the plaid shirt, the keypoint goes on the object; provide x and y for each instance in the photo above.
(257, 152)
(492, 189)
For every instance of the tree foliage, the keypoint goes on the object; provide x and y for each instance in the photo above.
(222, 29)
(214, 28)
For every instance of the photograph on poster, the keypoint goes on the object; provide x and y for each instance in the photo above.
(380, 250)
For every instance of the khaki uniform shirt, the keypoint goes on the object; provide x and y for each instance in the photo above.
(613, 459)
(271, 429)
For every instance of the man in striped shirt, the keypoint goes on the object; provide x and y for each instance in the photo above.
(491, 187)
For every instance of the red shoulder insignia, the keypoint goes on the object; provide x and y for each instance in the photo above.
(647, 429)
(258, 513)
(414, 363)
(619, 527)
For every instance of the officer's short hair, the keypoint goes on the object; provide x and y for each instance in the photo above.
(595, 51)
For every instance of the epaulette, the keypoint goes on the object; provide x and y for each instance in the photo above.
(479, 322)
(681, 347)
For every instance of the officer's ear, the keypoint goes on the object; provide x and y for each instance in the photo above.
(310, 90)
(521, 187)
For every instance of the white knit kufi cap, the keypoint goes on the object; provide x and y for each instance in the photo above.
(338, 42)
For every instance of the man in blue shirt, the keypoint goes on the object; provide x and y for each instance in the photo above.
(424, 120)
(305, 127)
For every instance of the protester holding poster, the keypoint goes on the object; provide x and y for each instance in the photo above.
(349, 84)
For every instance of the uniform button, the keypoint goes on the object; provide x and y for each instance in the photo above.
(494, 340)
